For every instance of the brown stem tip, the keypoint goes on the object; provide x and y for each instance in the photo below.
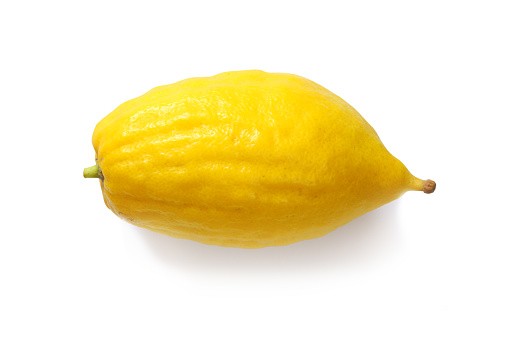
(429, 186)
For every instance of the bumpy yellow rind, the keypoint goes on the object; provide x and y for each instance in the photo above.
(244, 159)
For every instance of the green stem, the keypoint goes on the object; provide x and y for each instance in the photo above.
(91, 172)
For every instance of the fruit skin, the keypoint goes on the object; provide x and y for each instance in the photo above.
(244, 159)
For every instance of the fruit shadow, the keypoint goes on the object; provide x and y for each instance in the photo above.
(366, 240)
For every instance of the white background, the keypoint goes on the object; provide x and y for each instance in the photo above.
(433, 78)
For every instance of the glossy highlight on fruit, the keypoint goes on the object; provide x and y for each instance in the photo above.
(244, 159)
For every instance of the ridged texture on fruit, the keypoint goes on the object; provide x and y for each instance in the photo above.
(245, 159)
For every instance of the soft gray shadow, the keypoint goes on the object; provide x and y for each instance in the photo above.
(366, 240)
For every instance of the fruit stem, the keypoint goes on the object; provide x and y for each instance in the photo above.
(91, 172)
(426, 186)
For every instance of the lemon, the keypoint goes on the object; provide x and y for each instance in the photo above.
(244, 159)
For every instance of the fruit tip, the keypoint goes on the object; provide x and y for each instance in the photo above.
(429, 186)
